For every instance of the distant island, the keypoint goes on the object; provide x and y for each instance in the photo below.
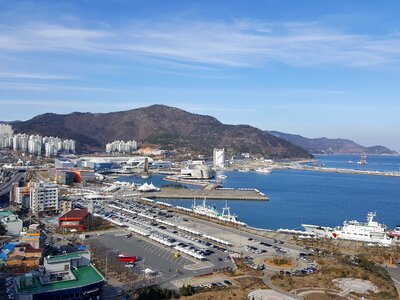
(168, 127)
(325, 145)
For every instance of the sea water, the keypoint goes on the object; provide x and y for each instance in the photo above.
(297, 197)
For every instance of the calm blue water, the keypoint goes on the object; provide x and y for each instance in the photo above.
(375, 162)
(298, 197)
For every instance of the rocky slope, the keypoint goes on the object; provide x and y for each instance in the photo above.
(331, 146)
(169, 127)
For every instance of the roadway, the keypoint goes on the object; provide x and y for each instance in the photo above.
(6, 187)
(395, 274)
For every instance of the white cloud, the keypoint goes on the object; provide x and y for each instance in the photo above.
(242, 43)
(38, 76)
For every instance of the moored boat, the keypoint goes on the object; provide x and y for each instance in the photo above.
(370, 232)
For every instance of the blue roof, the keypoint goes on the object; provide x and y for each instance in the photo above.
(10, 246)
(3, 255)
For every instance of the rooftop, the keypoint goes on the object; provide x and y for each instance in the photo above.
(76, 213)
(33, 250)
(84, 276)
(5, 213)
(63, 257)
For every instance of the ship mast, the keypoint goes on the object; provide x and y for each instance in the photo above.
(226, 209)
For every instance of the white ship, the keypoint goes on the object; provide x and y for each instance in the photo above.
(363, 160)
(212, 212)
(370, 232)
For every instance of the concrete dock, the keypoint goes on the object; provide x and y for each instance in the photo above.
(218, 194)
(336, 170)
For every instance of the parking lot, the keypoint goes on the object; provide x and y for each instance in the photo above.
(177, 246)
(161, 259)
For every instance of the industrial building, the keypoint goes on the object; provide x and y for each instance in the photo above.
(198, 172)
(78, 219)
(63, 163)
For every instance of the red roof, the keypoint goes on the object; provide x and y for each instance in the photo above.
(33, 250)
(75, 213)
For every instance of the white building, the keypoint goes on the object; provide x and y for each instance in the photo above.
(50, 149)
(121, 147)
(68, 146)
(6, 134)
(43, 197)
(11, 222)
(35, 145)
(6, 129)
(219, 158)
(20, 142)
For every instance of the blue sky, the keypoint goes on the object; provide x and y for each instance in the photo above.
(316, 68)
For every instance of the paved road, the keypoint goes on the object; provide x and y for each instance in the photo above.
(395, 274)
(5, 188)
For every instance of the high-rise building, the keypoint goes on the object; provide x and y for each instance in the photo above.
(6, 129)
(20, 142)
(121, 147)
(50, 149)
(35, 145)
(43, 197)
(219, 158)
(6, 134)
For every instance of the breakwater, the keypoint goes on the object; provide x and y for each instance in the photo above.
(336, 170)
(217, 194)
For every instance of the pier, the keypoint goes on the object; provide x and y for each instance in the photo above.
(336, 170)
(217, 194)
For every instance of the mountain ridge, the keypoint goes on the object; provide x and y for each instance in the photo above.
(169, 127)
(325, 145)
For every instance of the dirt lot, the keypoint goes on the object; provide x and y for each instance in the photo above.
(243, 285)
(244, 280)
(330, 269)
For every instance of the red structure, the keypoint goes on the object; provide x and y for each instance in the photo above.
(79, 219)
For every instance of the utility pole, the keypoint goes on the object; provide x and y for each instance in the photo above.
(106, 262)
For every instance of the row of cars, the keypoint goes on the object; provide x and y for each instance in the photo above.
(254, 250)
(305, 271)
(131, 215)
(248, 260)
(225, 283)
(311, 266)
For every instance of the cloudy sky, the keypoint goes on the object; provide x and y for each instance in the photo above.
(316, 68)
